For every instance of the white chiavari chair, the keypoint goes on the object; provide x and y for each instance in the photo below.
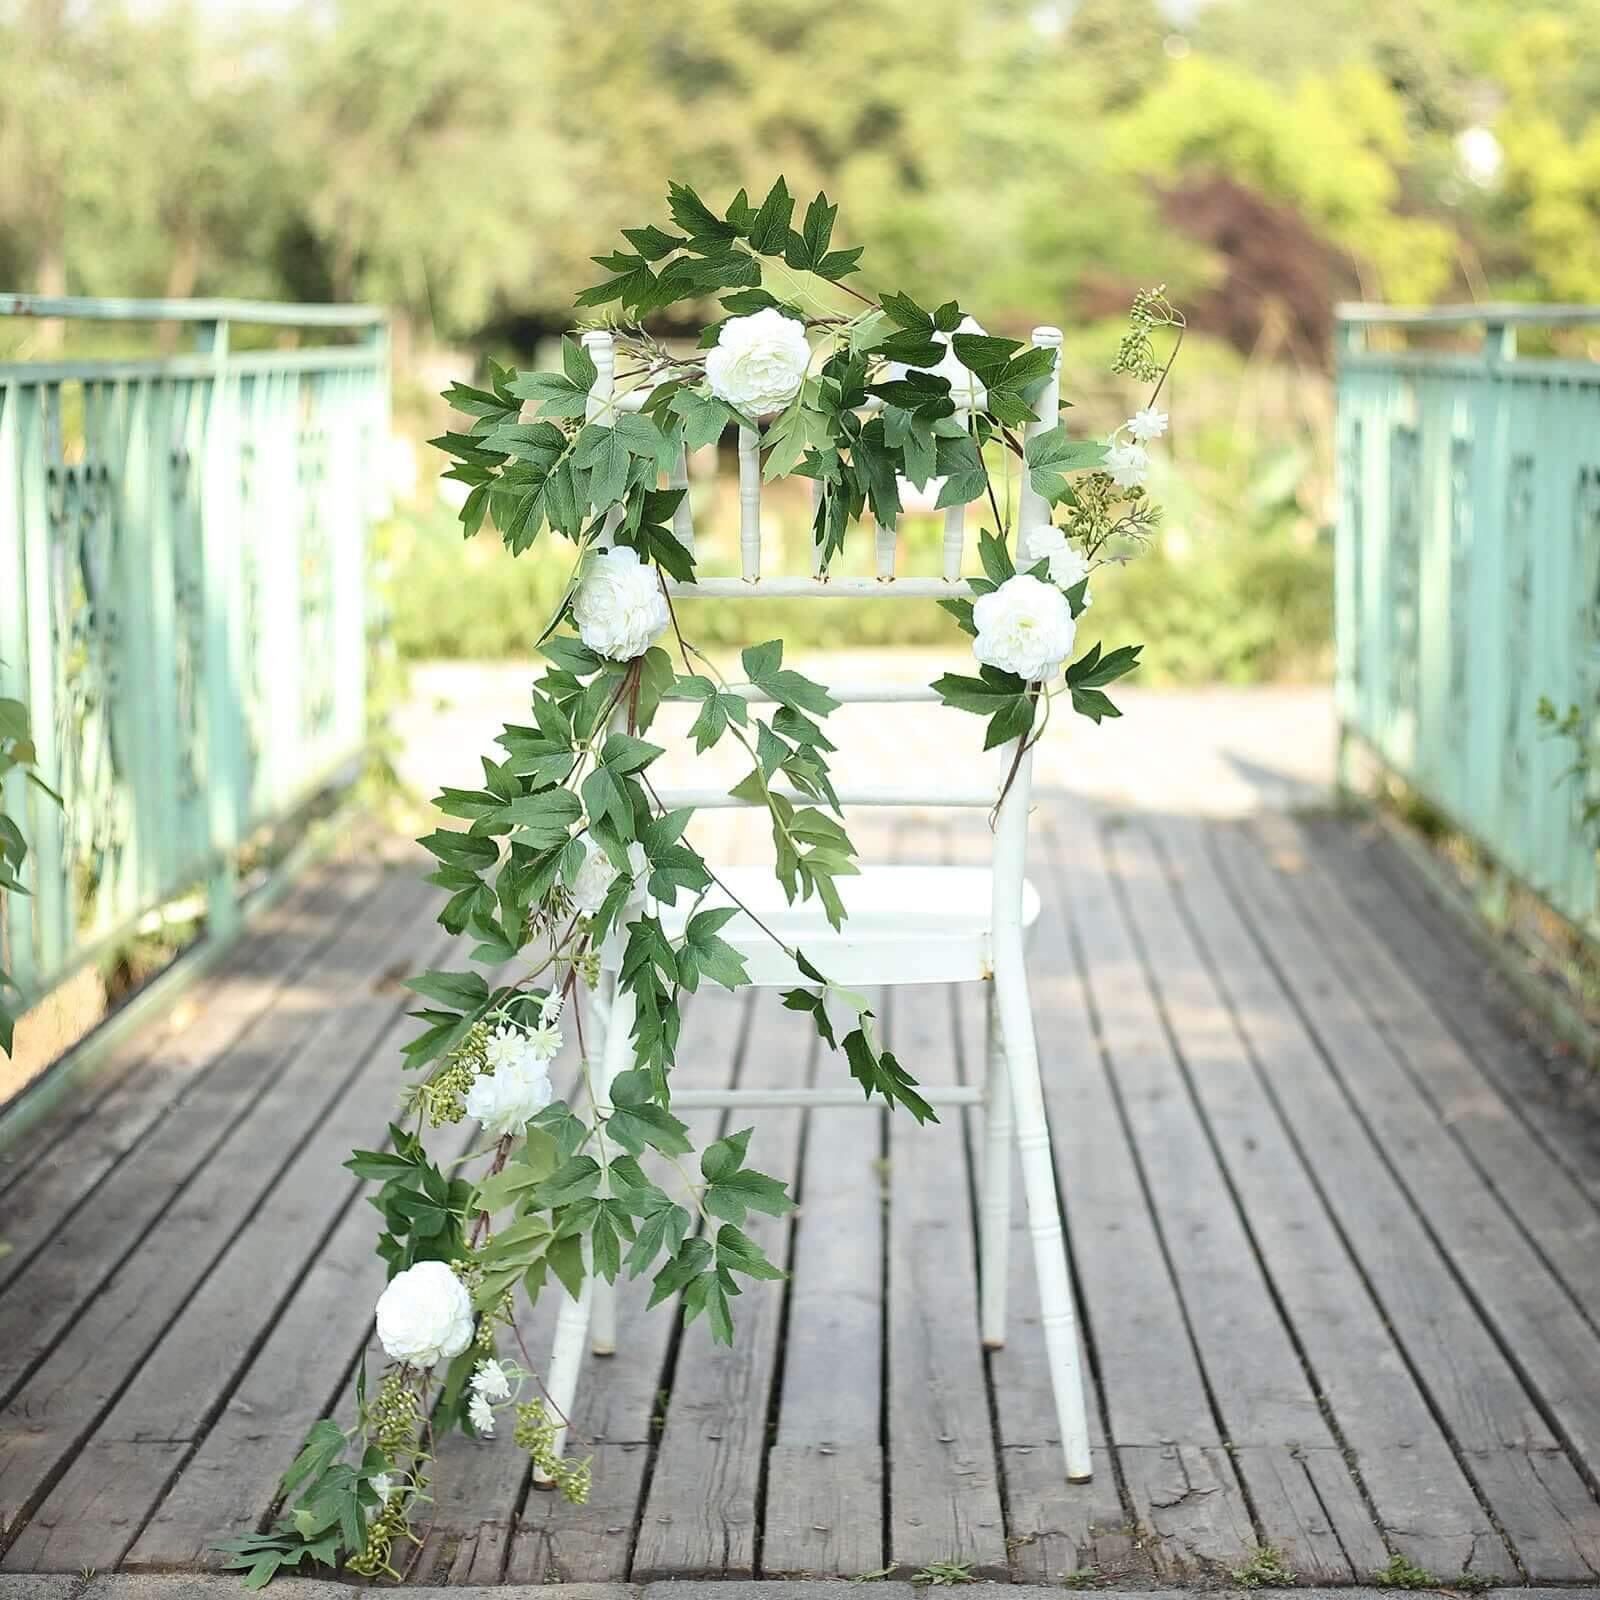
(905, 924)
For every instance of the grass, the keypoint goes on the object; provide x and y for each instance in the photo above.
(1266, 1569)
(940, 1574)
(1404, 1574)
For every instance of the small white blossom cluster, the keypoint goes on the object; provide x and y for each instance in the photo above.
(1069, 566)
(759, 362)
(489, 1383)
(597, 874)
(1127, 459)
(619, 608)
(425, 1315)
(518, 1085)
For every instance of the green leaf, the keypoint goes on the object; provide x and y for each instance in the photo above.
(1051, 454)
(738, 1252)
(578, 364)
(704, 953)
(543, 819)
(465, 991)
(769, 232)
(691, 1258)
(798, 429)
(576, 1179)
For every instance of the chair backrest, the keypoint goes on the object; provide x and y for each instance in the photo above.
(1011, 820)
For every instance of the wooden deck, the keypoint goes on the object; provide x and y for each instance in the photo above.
(1335, 1222)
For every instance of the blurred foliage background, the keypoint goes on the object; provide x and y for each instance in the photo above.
(1038, 160)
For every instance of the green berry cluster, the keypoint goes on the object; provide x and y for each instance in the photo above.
(389, 1524)
(443, 1095)
(394, 1415)
(1136, 355)
(536, 1433)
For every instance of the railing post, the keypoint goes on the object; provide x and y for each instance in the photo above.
(224, 706)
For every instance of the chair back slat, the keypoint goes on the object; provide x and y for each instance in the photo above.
(883, 547)
(683, 513)
(955, 541)
(1033, 510)
(749, 504)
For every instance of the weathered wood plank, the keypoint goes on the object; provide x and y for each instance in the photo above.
(1149, 1374)
(1501, 1438)
(1560, 1219)
(700, 1512)
(1254, 1373)
(825, 1473)
(1416, 1485)
(170, 1061)
(87, 1116)
(49, 1293)
(619, 1404)
(1053, 1528)
(84, 1373)
(944, 1490)
(1551, 1089)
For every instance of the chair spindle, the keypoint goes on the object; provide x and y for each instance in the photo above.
(750, 504)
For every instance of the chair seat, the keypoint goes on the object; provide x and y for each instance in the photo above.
(904, 925)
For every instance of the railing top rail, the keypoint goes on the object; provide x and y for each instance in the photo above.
(286, 314)
(1356, 313)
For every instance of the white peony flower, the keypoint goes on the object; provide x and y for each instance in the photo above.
(1069, 566)
(425, 1315)
(759, 362)
(596, 876)
(1025, 626)
(504, 1100)
(1147, 424)
(1127, 464)
(383, 1486)
(482, 1414)
(491, 1382)
(619, 607)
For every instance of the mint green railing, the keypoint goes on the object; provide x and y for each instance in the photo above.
(182, 553)
(1468, 576)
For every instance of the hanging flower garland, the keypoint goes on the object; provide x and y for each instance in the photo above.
(566, 845)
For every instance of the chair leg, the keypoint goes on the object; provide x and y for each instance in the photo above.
(994, 1206)
(603, 1315)
(1044, 1218)
(573, 1323)
(566, 1357)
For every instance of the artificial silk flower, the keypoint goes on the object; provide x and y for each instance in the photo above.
(1025, 626)
(482, 1414)
(1128, 464)
(490, 1381)
(759, 362)
(1147, 424)
(505, 1100)
(1069, 566)
(425, 1314)
(550, 1010)
(619, 608)
(597, 874)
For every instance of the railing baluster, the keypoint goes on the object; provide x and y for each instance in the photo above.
(179, 717)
